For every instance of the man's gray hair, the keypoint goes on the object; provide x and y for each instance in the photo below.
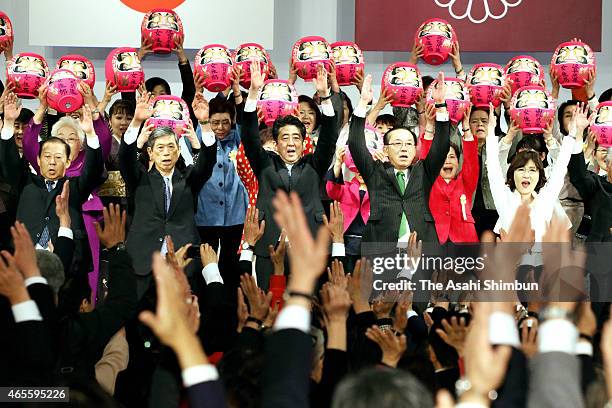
(158, 132)
(51, 268)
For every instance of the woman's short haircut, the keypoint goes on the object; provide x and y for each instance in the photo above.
(312, 105)
(221, 105)
(122, 106)
(520, 160)
(68, 121)
(151, 83)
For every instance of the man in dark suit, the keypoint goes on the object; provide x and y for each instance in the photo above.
(164, 196)
(290, 169)
(399, 189)
(36, 208)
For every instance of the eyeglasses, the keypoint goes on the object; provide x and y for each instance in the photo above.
(70, 140)
(400, 145)
(216, 123)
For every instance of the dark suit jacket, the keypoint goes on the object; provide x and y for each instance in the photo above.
(150, 224)
(386, 201)
(271, 172)
(208, 394)
(596, 190)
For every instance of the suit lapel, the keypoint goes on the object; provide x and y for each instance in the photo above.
(296, 172)
(391, 175)
(178, 187)
(157, 189)
(49, 197)
(283, 173)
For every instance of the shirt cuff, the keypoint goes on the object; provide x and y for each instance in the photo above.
(360, 111)
(246, 255)
(293, 317)
(93, 142)
(411, 313)
(131, 134)
(442, 117)
(7, 133)
(211, 273)
(470, 405)
(34, 279)
(338, 249)
(327, 108)
(577, 148)
(199, 374)
(557, 335)
(208, 139)
(65, 232)
(250, 105)
(502, 330)
(26, 311)
(584, 348)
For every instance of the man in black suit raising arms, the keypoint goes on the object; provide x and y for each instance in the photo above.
(164, 196)
(290, 169)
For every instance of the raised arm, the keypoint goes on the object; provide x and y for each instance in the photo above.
(91, 176)
(356, 141)
(128, 158)
(10, 166)
(326, 146)
(497, 182)
(204, 159)
(440, 146)
(505, 146)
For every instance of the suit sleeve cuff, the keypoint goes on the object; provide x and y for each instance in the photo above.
(211, 273)
(208, 139)
(93, 142)
(584, 348)
(34, 279)
(442, 117)
(577, 148)
(7, 133)
(250, 105)
(360, 111)
(293, 317)
(411, 313)
(246, 255)
(327, 108)
(26, 311)
(65, 232)
(199, 374)
(502, 330)
(131, 134)
(557, 335)
(338, 249)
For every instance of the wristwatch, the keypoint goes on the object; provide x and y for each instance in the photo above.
(441, 105)
(247, 247)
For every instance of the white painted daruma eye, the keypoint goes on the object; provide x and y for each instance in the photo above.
(478, 11)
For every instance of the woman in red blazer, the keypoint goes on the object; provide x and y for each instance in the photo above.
(450, 199)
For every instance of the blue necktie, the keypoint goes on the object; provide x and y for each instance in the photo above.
(45, 237)
(167, 198)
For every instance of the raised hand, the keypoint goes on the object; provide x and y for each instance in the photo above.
(200, 107)
(360, 285)
(579, 121)
(272, 73)
(392, 346)
(439, 91)
(277, 255)
(589, 86)
(12, 284)
(178, 259)
(208, 254)
(335, 225)
(454, 333)
(554, 80)
(12, 108)
(320, 81)
(367, 94)
(143, 136)
(336, 303)
(257, 77)
(416, 53)
(400, 318)
(144, 110)
(259, 302)
(253, 231)
(358, 79)
(62, 206)
(242, 311)
(86, 121)
(336, 276)
(25, 253)
(529, 340)
(293, 72)
(492, 120)
(114, 226)
(198, 81)
(7, 47)
(455, 56)
(190, 134)
(88, 96)
(332, 79)
(146, 47)
(506, 93)
(180, 51)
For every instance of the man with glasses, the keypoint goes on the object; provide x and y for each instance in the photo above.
(399, 189)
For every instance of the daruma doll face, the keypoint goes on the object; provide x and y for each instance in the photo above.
(162, 20)
(29, 65)
(436, 28)
(572, 54)
(487, 76)
(405, 76)
(313, 50)
(532, 98)
(276, 91)
(456, 90)
(78, 68)
(524, 65)
(604, 116)
(168, 109)
(346, 54)
(3, 26)
(127, 61)
(251, 52)
(216, 55)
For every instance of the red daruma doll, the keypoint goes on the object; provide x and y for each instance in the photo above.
(437, 38)
(6, 30)
(170, 111)
(348, 59)
(63, 91)
(277, 98)
(245, 54)
(457, 98)
(162, 27)
(602, 124)
(404, 80)
(123, 69)
(214, 63)
(532, 108)
(523, 70)
(573, 62)
(80, 66)
(27, 72)
(308, 53)
(485, 83)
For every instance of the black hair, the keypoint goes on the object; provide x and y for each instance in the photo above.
(387, 135)
(151, 83)
(71, 295)
(221, 105)
(1, 87)
(240, 371)
(53, 139)
(520, 160)
(457, 150)
(25, 116)
(427, 80)
(265, 135)
(160, 132)
(561, 111)
(121, 106)
(288, 120)
(312, 105)
(534, 142)
(386, 119)
(349, 104)
(606, 96)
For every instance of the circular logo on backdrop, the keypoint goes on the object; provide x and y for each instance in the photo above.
(144, 6)
(480, 12)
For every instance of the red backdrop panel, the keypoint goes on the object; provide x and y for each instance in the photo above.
(531, 26)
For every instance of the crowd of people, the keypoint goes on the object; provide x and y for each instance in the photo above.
(231, 266)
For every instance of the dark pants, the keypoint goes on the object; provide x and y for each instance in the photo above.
(229, 240)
